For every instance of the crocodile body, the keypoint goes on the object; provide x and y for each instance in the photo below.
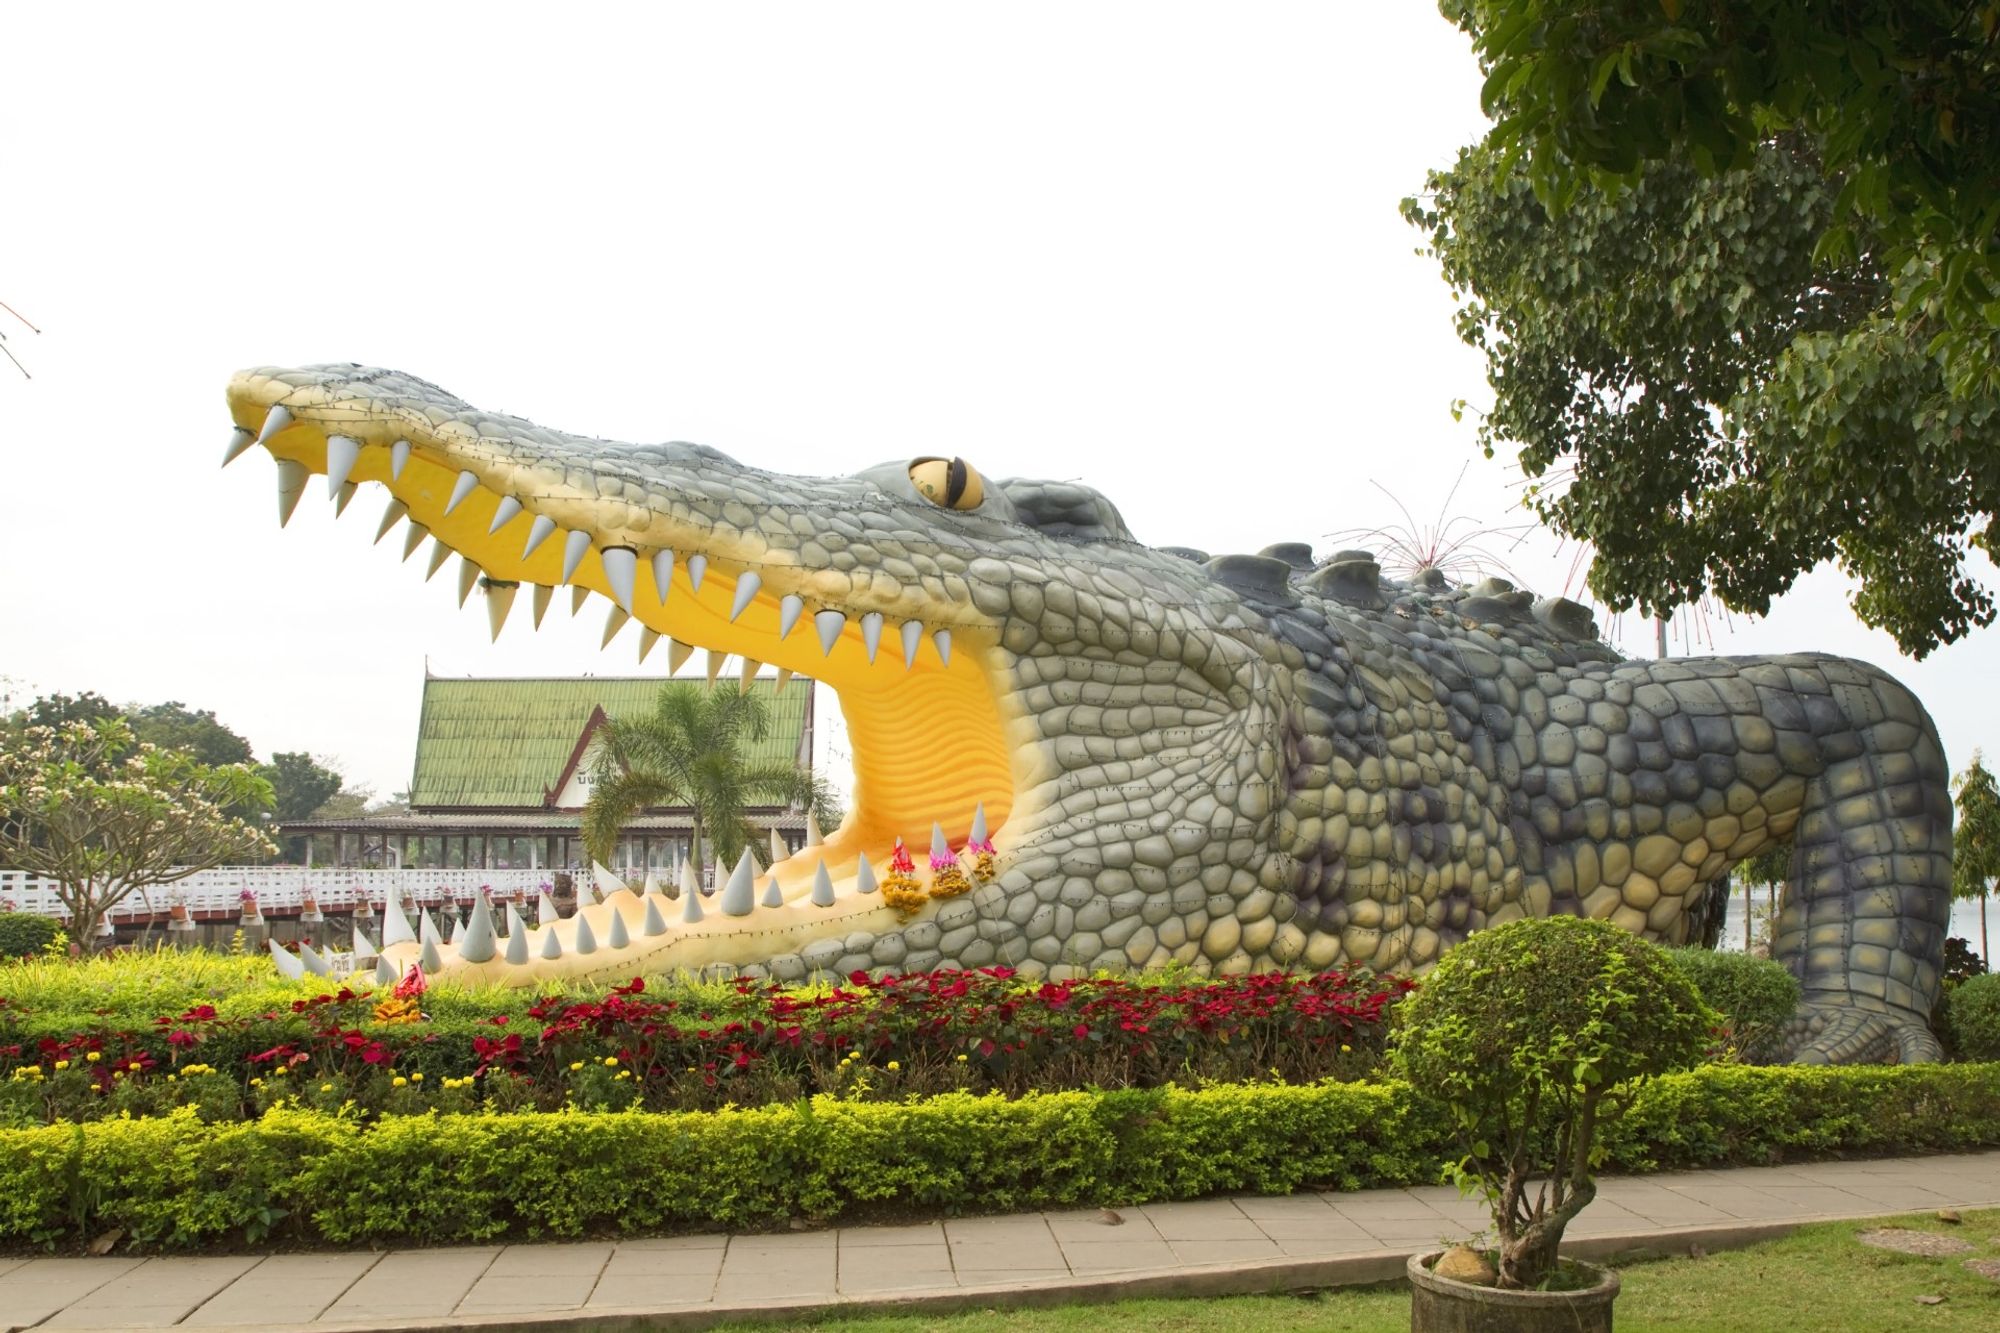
(1245, 762)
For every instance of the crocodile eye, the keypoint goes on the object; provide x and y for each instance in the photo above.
(950, 482)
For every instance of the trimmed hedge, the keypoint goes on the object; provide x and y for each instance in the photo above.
(1755, 996)
(23, 935)
(1973, 1014)
(173, 1182)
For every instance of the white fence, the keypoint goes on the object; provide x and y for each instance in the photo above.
(282, 890)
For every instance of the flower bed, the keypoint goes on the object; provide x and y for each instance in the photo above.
(692, 1047)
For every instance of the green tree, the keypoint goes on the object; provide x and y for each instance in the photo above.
(689, 752)
(1904, 96)
(105, 815)
(54, 710)
(300, 785)
(1707, 406)
(1975, 842)
(1771, 867)
(175, 726)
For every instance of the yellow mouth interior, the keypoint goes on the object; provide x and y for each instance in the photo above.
(928, 741)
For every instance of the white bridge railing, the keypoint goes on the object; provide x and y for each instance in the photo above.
(282, 890)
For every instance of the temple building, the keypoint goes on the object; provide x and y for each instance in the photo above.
(503, 771)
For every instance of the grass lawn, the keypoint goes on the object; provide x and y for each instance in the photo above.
(1817, 1278)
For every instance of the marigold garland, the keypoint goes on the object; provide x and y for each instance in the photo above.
(899, 887)
(982, 859)
(948, 877)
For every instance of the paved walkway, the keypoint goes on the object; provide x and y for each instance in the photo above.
(1212, 1247)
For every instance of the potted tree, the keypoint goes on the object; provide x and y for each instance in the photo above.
(1532, 1036)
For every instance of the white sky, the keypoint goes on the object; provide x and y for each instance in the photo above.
(1154, 247)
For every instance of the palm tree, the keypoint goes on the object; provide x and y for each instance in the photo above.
(689, 752)
(1975, 853)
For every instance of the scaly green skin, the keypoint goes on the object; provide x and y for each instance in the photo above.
(1258, 761)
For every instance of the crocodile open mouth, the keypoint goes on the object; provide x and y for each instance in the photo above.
(915, 676)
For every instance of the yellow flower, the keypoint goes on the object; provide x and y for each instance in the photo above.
(575, 1065)
(624, 1073)
(400, 1082)
(117, 1073)
(895, 1065)
(256, 1082)
(1345, 1047)
(281, 1069)
(963, 1058)
(417, 1077)
(610, 1062)
(62, 1064)
(173, 1078)
(93, 1057)
(326, 1087)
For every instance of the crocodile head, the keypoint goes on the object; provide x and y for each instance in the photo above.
(997, 646)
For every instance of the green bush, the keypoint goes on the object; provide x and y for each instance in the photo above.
(318, 1178)
(23, 934)
(1755, 996)
(1974, 1016)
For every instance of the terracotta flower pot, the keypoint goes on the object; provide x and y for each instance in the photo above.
(1440, 1305)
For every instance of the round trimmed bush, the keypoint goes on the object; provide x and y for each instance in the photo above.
(23, 934)
(1974, 1015)
(1755, 997)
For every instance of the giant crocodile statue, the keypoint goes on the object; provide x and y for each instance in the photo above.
(1239, 763)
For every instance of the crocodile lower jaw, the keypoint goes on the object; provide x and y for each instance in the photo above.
(916, 680)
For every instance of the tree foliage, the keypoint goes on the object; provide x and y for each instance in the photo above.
(1903, 95)
(1708, 407)
(104, 814)
(174, 726)
(689, 752)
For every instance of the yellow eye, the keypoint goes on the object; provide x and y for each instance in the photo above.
(950, 482)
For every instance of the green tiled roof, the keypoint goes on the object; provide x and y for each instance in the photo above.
(506, 742)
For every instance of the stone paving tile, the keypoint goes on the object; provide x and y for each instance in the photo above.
(631, 1261)
(1087, 1226)
(1889, 1197)
(141, 1294)
(646, 1291)
(1285, 1206)
(118, 1316)
(710, 1240)
(1205, 1251)
(878, 1268)
(285, 1288)
(1216, 1220)
(1377, 1205)
(413, 1284)
(9, 1265)
(1743, 1202)
(1116, 1256)
(1332, 1228)
(923, 1233)
(996, 1244)
(549, 1261)
(755, 1268)
(497, 1293)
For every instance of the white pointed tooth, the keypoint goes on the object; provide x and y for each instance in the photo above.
(913, 634)
(539, 531)
(751, 666)
(782, 679)
(478, 942)
(864, 877)
(738, 895)
(468, 578)
(778, 849)
(499, 601)
(427, 927)
(688, 882)
(813, 838)
(543, 592)
(413, 540)
(314, 962)
(605, 880)
(615, 935)
(546, 911)
(289, 965)
(654, 888)
(578, 595)
(790, 606)
(773, 895)
(239, 440)
(655, 923)
(663, 574)
(575, 546)
(342, 452)
(690, 897)
(551, 945)
(390, 518)
(291, 485)
(439, 554)
(517, 938)
(829, 624)
(452, 929)
(275, 420)
(822, 886)
(697, 570)
(746, 592)
(677, 655)
(871, 633)
(942, 639)
(940, 846)
(395, 926)
(586, 938)
(612, 624)
(621, 570)
(979, 822)
(344, 498)
(430, 959)
(362, 946)
(503, 513)
(399, 458)
(385, 972)
(648, 636)
(516, 923)
(716, 657)
(467, 483)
